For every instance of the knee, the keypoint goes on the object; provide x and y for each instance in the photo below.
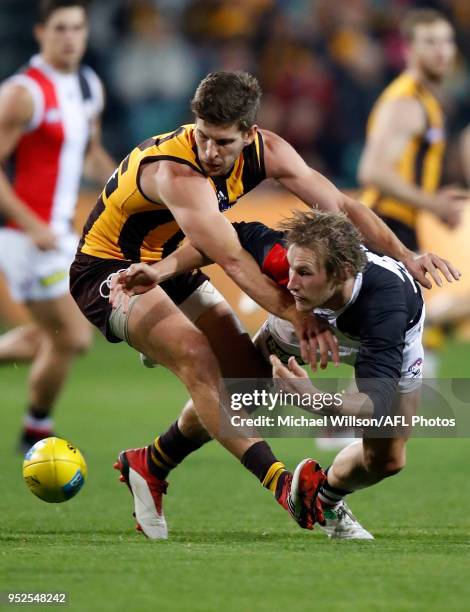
(73, 342)
(384, 466)
(81, 345)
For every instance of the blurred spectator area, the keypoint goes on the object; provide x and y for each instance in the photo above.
(321, 63)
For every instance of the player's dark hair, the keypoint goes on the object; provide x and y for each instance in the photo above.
(332, 237)
(416, 17)
(47, 7)
(228, 98)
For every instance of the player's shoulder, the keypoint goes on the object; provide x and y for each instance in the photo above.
(271, 140)
(280, 158)
(17, 96)
(16, 89)
(400, 108)
(400, 99)
(386, 276)
(402, 86)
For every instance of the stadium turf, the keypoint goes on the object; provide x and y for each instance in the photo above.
(231, 547)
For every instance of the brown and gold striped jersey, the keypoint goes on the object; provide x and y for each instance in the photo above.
(421, 162)
(125, 224)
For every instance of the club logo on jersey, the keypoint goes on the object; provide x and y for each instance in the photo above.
(415, 368)
(222, 199)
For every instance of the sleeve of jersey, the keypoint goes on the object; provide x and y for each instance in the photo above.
(266, 246)
(380, 357)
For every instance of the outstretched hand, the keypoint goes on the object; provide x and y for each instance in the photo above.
(420, 266)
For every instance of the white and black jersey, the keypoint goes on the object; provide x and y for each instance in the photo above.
(386, 305)
(379, 330)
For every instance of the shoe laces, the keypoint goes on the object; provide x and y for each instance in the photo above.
(343, 512)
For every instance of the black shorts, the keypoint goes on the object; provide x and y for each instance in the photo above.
(89, 288)
(406, 233)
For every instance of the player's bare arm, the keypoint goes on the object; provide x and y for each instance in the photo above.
(396, 123)
(194, 206)
(141, 277)
(16, 111)
(285, 164)
(99, 165)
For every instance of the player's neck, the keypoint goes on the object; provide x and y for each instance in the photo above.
(58, 67)
(433, 85)
(341, 296)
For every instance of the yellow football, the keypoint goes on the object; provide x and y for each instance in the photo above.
(54, 470)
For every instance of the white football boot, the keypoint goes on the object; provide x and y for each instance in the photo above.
(341, 524)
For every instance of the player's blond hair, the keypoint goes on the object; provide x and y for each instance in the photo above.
(334, 240)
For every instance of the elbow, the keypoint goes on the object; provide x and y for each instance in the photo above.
(232, 266)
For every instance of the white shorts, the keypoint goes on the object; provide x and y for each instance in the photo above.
(34, 275)
(278, 337)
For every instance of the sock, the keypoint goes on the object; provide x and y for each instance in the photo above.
(261, 462)
(168, 450)
(331, 496)
(37, 420)
(38, 413)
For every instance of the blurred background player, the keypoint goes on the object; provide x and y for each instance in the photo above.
(49, 123)
(402, 161)
(401, 164)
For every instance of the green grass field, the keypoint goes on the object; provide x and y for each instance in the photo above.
(231, 547)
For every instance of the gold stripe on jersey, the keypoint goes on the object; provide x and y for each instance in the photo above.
(421, 162)
(125, 224)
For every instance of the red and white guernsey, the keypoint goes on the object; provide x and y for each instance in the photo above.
(48, 160)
